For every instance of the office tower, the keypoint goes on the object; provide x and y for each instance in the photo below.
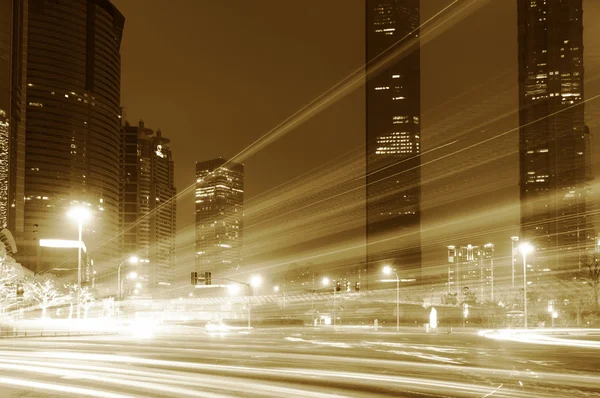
(149, 209)
(553, 139)
(73, 128)
(471, 267)
(13, 61)
(219, 215)
(393, 138)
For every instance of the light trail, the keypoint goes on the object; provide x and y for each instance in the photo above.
(437, 24)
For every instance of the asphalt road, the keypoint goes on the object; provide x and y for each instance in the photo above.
(299, 362)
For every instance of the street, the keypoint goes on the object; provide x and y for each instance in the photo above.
(181, 361)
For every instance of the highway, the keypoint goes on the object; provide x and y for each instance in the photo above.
(176, 361)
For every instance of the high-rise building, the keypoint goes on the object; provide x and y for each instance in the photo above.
(13, 61)
(471, 267)
(73, 128)
(219, 215)
(554, 141)
(393, 137)
(149, 208)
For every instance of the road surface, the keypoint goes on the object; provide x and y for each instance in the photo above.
(298, 362)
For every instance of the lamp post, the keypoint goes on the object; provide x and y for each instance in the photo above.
(388, 270)
(525, 248)
(132, 275)
(130, 260)
(326, 282)
(256, 281)
(79, 214)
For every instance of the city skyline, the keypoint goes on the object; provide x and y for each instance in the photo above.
(492, 107)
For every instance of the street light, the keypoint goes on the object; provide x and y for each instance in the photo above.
(255, 281)
(388, 270)
(276, 289)
(327, 282)
(130, 260)
(80, 214)
(525, 248)
(132, 275)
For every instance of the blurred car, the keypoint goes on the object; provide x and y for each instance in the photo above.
(216, 326)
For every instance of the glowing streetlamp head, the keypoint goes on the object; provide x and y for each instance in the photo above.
(325, 281)
(233, 289)
(133, 259)
(132, 275)
(276, 288)
(79, 213)
(525, 248)
(256, 281)
(387, 270)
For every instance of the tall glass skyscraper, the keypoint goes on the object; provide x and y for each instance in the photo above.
(219, 215)
(554, 142)
(148, 211)
(13, 61)
(73, 127)
(393, 100)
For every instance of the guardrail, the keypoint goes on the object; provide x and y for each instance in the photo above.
(48, 333)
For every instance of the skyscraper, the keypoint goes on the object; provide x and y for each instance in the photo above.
(149, 209)
(553, 140)
(73, 127)
(13, 61)
(219, 215)
(393, 138)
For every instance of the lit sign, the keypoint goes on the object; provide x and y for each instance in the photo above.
(61, 243)
(159, 151)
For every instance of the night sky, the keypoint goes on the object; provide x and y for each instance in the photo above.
(216, 75)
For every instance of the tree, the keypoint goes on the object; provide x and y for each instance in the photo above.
(10, 273)
(43, 291)
(86, 299)
(591, 275)
(469, 297)
(108, 306)
(71, 296)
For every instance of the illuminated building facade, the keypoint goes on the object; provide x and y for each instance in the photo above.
(219, 215)
(554, 142)
(472, 267)
(393, 138)
(13, 61)
(73, 126)
(149, 208)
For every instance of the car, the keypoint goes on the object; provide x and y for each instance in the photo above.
(216, 326)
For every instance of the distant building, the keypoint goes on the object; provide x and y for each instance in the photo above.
(471, 267)
(149, 210)
(393, 112)
(73, 128)
(219, 215)
(554, 142)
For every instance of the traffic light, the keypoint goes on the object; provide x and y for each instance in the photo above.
(357, 286)
(207, 278)
(194, 278)
(338, 286)
(347, 286)
(20, 291)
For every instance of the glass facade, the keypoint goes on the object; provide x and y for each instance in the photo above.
(555, 166)
(73, 125)
(149, 208)
(393, 137)
(13, 60)
(219, 215)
